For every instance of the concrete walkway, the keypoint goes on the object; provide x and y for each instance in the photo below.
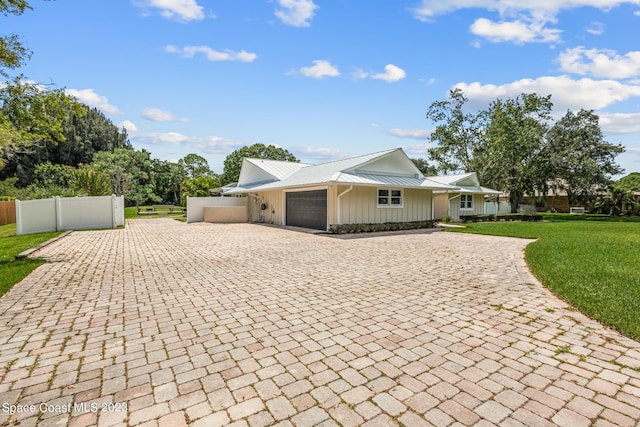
(170, 324)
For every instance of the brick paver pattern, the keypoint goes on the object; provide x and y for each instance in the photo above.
(171, 324)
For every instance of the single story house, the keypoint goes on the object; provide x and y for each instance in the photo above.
(374, 188)
(468, 199)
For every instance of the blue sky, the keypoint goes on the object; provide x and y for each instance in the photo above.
(329, 79)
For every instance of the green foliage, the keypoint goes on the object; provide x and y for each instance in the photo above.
(376, 227)
(513, 146)
(577, 158)
(618, 201)
(630, 182)
(195, 166)
(458, 138)
(130, 174)
(49, 174)
(33, 114)
(198, 187)
(593, 265)
(515, 137)
(90, 181)
(233, 161)
(12, 53)
(425, 167)
(168, 178)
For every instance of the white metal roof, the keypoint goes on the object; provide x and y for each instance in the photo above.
(344, 172)
(278, 168)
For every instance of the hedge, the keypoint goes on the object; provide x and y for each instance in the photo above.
(501, 217)
(387, 226)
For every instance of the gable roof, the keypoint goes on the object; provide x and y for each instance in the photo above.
(466, 182)
(384, 168)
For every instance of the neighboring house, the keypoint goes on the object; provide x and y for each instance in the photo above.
(469, 199)
(374, 188)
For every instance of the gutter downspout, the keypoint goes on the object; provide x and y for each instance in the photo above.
(339, 207)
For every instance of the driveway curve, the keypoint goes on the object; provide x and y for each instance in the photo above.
(171, 324)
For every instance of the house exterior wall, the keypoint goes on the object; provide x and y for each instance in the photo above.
(452, 202)
(274, 214)
(440, 205)
(359, 206)
(276, 207)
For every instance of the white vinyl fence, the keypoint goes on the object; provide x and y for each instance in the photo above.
(69, 213)
(499, 208)
(196, 205)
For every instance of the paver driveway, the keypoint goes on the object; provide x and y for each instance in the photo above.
(171, 324)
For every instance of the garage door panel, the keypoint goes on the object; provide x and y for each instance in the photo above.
(307, 209)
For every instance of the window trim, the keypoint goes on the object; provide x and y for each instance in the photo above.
(389, 197)
(467, 200)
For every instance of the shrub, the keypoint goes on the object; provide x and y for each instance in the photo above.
(372, 227)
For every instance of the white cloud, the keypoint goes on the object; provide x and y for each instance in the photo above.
(429, 9)
(211, 54)
(217, 145)
(391, 74)
(522, 21)
(320, 68)
(600, 63)
(129, 126)
(410, 133)
(620, 123)
(296, 13)
(596, 28)
(566, 92)
(316, 155)
(179, 10)
(359, 74)
(514, 31)
(92, 99)
(158, 115)
(417, 150)
(171, 138)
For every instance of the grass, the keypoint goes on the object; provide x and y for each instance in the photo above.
(132, 213)
(12, 270)
(590, 262)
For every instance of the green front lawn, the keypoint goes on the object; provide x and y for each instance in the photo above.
(591, 263)
(12, 270)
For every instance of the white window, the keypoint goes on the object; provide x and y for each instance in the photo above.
(466, 201)
(389, 198)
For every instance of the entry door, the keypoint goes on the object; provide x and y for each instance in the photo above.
(307, 209)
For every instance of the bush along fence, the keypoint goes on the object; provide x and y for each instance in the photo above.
(387, 226)
(500, 217)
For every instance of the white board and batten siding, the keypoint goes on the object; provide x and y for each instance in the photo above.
(360, 206)
(449, 204)
(69, 213)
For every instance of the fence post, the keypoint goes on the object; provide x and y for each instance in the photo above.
(58, 214)
(113, 211)
(18, 218)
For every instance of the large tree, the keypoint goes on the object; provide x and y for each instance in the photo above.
(130, 172)
(233, 161)
(195, 166)
(13, 54)
(579, 160)
(515, 135)
(514, 146)
(458, 137)
(630, 182)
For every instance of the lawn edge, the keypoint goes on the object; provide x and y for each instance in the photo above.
(25, 254)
